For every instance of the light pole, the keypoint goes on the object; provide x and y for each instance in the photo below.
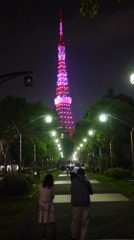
(132, 146)
(91, 133)
(111, 152)
(20, 155)
(34, 151)
(104, 117)
(48, 119)
(28, 80)
(132, 78)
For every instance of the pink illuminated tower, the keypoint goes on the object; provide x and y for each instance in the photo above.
(63, 100)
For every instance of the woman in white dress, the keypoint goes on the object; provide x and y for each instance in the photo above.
(46, 207)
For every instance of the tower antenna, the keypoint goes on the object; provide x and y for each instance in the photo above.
(61, 28)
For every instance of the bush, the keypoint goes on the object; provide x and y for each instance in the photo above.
(14, 185)
(30, 179)
(117, 173)
(88, 169)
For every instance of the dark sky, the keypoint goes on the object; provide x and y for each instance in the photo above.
(99, 52)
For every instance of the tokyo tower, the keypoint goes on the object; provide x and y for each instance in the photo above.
(63, 100)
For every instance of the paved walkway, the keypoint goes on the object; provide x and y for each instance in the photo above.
(112, 215)
(101, 197)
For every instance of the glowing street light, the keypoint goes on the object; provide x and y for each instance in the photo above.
(91, 132)
(53, 133)
(48, 118)
(84, 140)
(103, 117)
(132, 78)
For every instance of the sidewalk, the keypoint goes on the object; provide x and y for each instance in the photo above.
(112, 214)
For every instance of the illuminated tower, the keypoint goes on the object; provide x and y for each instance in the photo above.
(63, 100)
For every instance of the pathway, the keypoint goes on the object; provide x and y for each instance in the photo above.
(112, 215)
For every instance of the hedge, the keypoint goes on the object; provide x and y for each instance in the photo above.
(117, 173)
(15, 184)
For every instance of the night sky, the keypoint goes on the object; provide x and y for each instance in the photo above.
(99, 52)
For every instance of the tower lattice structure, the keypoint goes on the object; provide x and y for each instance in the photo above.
(63, 100)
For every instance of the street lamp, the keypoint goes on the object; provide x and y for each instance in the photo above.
(53, 133)
(132, 78)
(20, 136)
(28, 80)
(104, 117)
(48, 119)
(91, 132)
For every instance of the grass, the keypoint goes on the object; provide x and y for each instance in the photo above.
(124, 186)
(12, 209)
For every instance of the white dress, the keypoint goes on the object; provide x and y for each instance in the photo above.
(46, 207)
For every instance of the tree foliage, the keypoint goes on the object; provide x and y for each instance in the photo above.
(93, 7)
(19, 117)
(114, 132)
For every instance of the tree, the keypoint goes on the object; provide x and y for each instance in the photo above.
(22, 114)
(113, 131)
(93, 7)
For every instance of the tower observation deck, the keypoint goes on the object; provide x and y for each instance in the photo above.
(63, 100)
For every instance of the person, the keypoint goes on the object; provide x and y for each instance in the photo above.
(81, 190)
(46, 208)
(67, 169)
(73, 173)
(75, 169)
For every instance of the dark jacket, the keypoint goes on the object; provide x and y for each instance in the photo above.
(81, 190)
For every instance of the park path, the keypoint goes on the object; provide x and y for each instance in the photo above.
(112, 214)
(102, 193)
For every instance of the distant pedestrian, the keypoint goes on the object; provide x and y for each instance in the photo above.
(73, 173)
(75, 169)
(46, 207)
(81, 190)
(62, 169)
(67, 169)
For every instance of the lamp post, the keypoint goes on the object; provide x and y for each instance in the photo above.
(104, 118)
(47, 118)
(28, 80)
(20, 155)
(111, 152)
(132, 78)
(132, 146)
(91, 133)
(34, 151)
